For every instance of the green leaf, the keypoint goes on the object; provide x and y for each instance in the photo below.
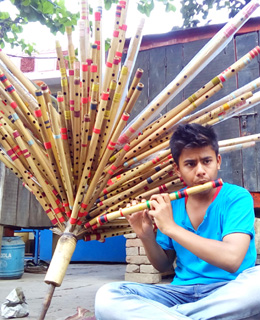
(47, 7)
(170, 7)
(4, 15)
(26, 2)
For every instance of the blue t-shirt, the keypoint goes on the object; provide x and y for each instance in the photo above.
(231, 211)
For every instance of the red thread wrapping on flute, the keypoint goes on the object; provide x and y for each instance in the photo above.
(63, 130)
(97, 16)
(93, 68)
(121, 212)
(123, 27)
(14, 157)
(47, 145)
(105, 191)
(60, 99)
(115, 33)
(71, 72)
(13, 105)
(97, 131)
(146, 188)
(73, 220)
(80, 214)
(126, 147)
(57, 210)
(79, 223)
(110, 148)
(131, 129)
(54, 221)
(123, 138)
(83, 205)
(222, 79)
(109, 64)
(65, 204)
(10, 152)
(84, 67)
(84, 145)
(38, 113)
(110, 172)
(62, 219)
(125, 117)
(105, 96)
(110, 182)
(84, 100)
(113, 167)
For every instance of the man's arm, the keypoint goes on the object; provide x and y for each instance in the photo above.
(227, 254)
(142, 224)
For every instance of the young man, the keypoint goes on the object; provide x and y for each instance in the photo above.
(212, 235)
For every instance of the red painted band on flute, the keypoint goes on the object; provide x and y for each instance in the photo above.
(115, 33)
(126, 147)
(63, 130)
(57, 210)
(60, 99)
(76, 82)
(76, 114)
(118, 54)
(71, 72)
(97, 16)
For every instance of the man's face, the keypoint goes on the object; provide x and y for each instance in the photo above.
(198, 165)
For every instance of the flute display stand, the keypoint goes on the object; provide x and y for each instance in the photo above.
(139, 268)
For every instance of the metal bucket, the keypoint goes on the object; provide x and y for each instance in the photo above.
(12, 258)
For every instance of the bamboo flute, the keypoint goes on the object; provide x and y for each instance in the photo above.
(49, 143)
(84, 142)
(70, 47)
(112, 49)
(251, 102)
(65, 170)
(65, 92)
(11, 90)
(163, 188)
(142, 171)
(98, 42)
(136, 188)
(37, 193)
(72, 102)
(234, 141)
(18, 73)
(87, 168)
(199, 62)
(76, 129)
(31, 143)
(104, 134)
(219, 110)
(107, 234)
(194, 99)
(27, 98)
(170, 123)
(94, 223)
(236, 147)
(253, 85)
(85, 19)
(64, 135)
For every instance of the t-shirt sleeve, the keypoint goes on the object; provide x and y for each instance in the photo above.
(238, 214)
(164, 241)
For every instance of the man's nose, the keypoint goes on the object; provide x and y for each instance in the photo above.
(200, 169)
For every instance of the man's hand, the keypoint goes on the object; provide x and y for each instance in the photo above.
(141, 223)
(161, 211)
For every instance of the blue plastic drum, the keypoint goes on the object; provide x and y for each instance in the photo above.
(12, 258)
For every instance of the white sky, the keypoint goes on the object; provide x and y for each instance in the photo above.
(158, 22)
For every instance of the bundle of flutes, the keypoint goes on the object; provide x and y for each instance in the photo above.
(78, 154)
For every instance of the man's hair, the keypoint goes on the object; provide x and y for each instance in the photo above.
(188, 136)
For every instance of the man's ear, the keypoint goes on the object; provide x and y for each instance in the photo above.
(176, 169)
(219, 160)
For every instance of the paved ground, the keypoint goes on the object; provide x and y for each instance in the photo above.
(77, 290)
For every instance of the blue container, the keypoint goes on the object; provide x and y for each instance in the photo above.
(12, 258)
